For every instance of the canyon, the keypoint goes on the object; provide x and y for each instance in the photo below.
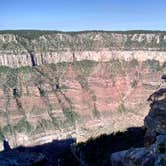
(56, 85)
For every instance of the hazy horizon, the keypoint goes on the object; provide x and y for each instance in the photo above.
(86, 30)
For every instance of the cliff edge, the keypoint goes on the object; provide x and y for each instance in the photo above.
(29, 48)
(154, 152)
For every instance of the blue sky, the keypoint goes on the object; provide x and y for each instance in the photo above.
(75, 15)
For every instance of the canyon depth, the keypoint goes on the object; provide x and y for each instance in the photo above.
(55, 85)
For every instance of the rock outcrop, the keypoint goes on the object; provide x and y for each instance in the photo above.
(155, 122)
(155, 155)
(156, 119)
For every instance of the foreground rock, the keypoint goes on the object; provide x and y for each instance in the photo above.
(156, 119)
(155, 155)
(155, 122)
(48, 154)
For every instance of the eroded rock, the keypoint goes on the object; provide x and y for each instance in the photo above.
(156, 119)
(155, 155)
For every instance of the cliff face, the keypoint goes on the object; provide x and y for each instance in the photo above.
(75, 84)
(20, 48)
(79, 99)
(154, 152)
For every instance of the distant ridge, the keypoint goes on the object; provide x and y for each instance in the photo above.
(82, 31)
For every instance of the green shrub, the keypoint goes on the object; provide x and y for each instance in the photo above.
(164, 66)
(71, 115)
(52, 66)
(6, 130)
(43, 125)
(83, 82)
(47, 124)
(94, 97)
(62, 65)
(23, 126)
(12, 79)
(96, 112)
(5, 69)
(153, 64)
(58, 123)
(116, 68)
(42, 92)
(24, 69)
(133, 63)
(2, 137)
(134, 83)
(39, 128)
(85, 66)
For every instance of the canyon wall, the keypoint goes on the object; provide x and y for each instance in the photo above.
(99, 56)
(20, 48)
(55, 85)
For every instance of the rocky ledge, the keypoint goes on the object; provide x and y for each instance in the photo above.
(154, 152)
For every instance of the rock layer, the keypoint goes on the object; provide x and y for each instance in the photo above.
(53, 47)
(79, 99)
(19, 60)
(75, 84)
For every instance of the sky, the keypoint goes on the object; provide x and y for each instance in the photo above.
(77, 15)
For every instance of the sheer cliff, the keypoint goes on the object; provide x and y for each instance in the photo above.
(22, 48)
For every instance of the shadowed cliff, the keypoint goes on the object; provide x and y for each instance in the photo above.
(94, 152)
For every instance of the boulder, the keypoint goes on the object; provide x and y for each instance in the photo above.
(155, 155)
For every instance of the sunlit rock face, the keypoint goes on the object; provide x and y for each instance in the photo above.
(55, 85)
(16, 47)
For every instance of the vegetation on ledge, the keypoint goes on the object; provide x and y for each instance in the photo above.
(53, 41)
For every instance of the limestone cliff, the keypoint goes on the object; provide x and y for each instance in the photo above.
(20, 48)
